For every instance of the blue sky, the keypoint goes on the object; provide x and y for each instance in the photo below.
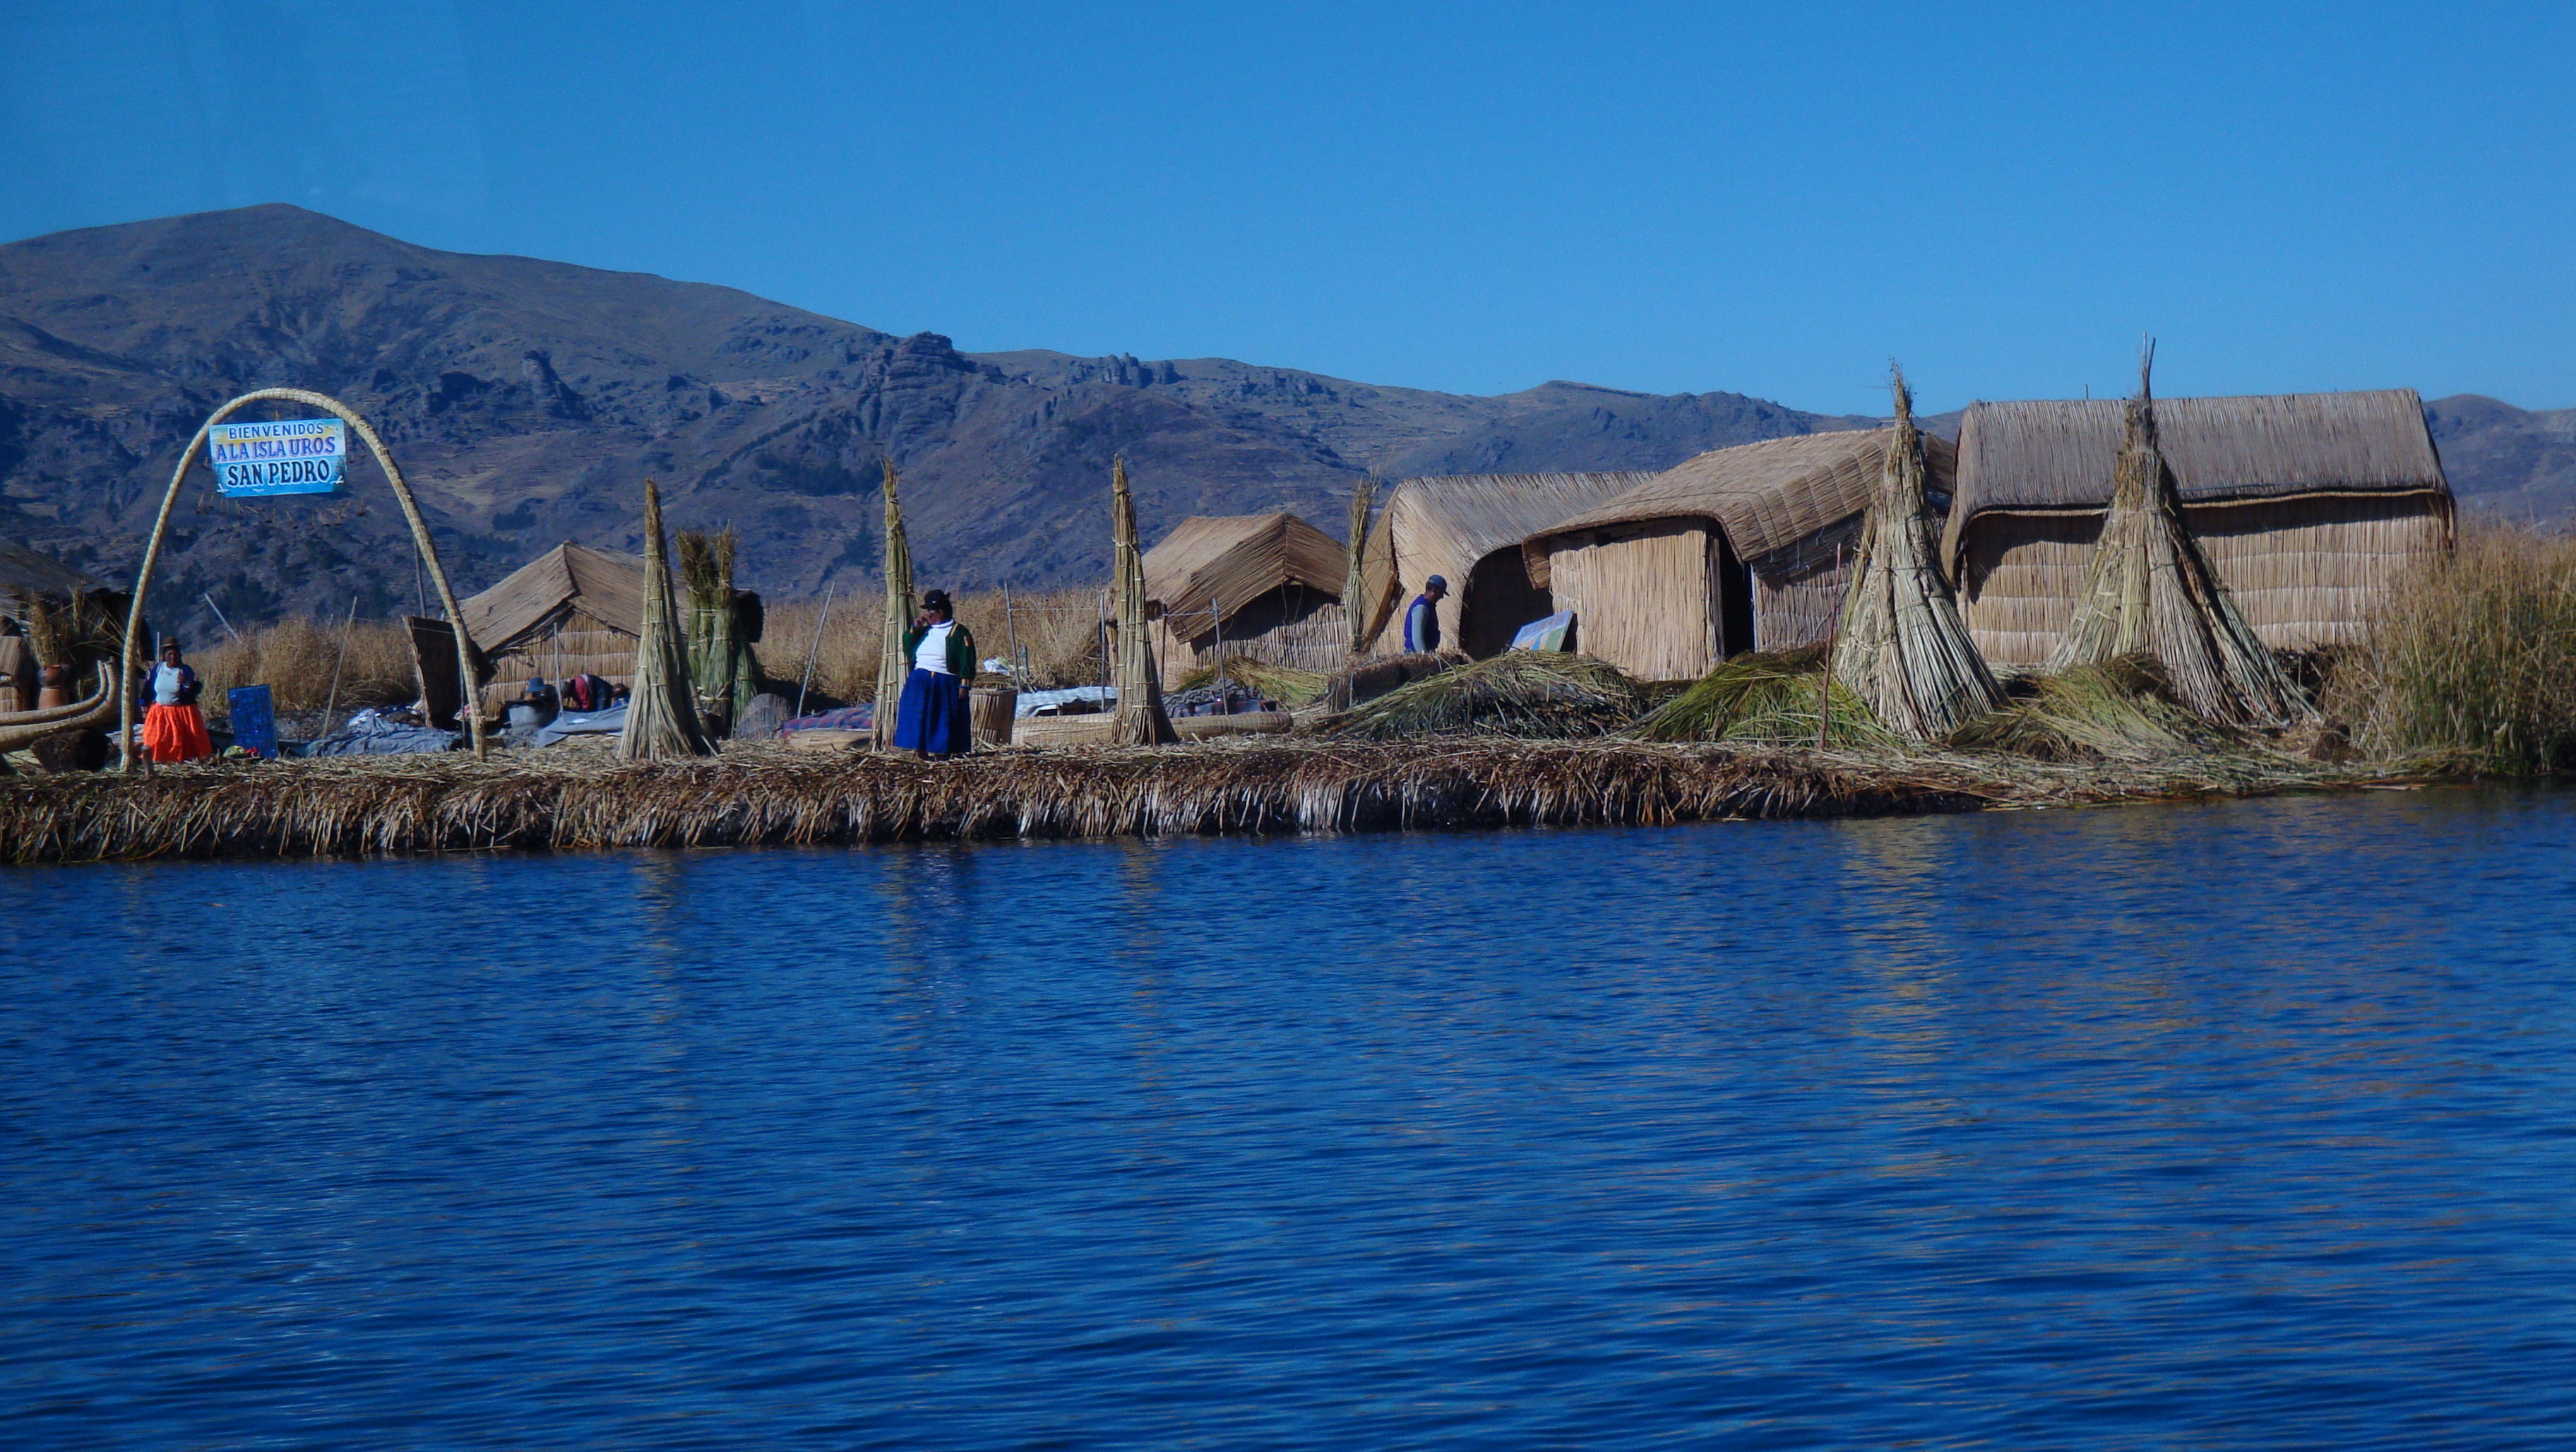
(1773, 200)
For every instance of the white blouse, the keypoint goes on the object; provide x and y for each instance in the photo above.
(932, 653)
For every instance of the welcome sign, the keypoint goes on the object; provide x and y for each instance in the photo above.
(288, 456)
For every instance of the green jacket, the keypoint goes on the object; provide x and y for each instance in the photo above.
(961, 650)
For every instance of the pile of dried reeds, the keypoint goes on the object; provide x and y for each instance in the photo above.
(776, 795)
(1525, 693)
(1287, 685)
(2121, 710)
(1767, 696)
(2472, 660)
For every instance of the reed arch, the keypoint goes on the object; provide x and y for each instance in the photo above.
(411, 513)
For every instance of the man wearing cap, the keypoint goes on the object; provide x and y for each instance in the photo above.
(1422, 617)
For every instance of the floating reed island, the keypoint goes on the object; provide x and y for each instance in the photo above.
(780, 797)
(1787, 629)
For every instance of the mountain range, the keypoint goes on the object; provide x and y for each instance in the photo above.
(526, 401)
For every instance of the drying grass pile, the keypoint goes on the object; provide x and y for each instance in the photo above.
(1287, 685)
(1518, 693)
(2472, 660)
(1766, 696)
(2120, 710)
(294, 659)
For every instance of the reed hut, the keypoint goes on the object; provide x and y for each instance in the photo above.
(569, 610)
(1747, 548)
(2307, 506)
(1467, 529)
(1266, 586)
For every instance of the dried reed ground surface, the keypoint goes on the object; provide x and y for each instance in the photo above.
(774, 795)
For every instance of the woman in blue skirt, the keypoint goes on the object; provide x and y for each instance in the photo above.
(932, 721)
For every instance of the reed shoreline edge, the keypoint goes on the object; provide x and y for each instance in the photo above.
(777, 796)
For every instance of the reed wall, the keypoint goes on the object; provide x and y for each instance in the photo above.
(1293, 626)
(2306, 572)
(1641, 597)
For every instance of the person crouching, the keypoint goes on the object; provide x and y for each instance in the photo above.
(932, 721)
(174, 730)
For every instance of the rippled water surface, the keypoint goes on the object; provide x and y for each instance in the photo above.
(2249, 1125)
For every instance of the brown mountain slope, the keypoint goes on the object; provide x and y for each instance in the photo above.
(527, 400)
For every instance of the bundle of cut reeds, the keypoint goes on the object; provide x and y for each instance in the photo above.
(1902, 648)
(2149, 590)
(661, 709)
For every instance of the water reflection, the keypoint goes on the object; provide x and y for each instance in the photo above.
(2237, 1125)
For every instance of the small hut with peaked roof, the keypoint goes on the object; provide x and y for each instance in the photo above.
(1467, 529)
(2307, 507)
(1269, 586)
(1743, 548)
(570, 610)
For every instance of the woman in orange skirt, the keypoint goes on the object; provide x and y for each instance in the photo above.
(174, 730)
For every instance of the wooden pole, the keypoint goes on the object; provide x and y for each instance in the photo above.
(332, 704)
(1011, 622)
(209, 598)
(812, 650)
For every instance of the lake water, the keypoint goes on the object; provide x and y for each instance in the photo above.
(2245, 1125)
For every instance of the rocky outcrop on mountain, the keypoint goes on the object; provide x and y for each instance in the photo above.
(528, 400)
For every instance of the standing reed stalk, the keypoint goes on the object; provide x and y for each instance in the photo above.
(2472, 658)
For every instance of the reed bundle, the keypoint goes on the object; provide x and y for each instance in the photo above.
(1766, 696)
(1141, 719)
(892, 666)
(662, 709)
(1901, 647)
(2149, 590)
(1524, 693)
(775, 795)
(722, 672)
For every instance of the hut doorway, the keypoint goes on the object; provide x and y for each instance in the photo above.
(1730, 587)
(1497, 601)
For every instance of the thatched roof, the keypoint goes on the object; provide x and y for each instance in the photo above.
(1764, 495)
(568, 579)
(1449, 522)
(1235, 558)
(25, 574)
(2054, 456)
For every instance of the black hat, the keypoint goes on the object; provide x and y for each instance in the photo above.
(938, 600)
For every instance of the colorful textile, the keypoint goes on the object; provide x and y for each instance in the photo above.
(933, 715)
(174, 734)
